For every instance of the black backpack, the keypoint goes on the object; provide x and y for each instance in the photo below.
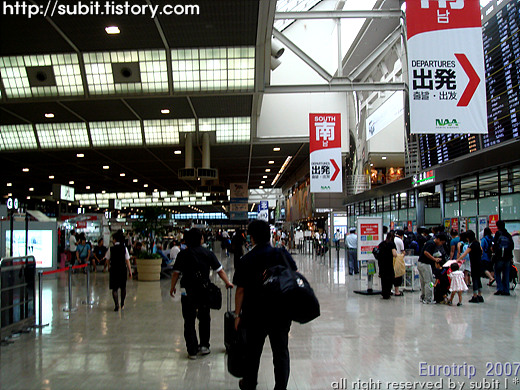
(503, 246)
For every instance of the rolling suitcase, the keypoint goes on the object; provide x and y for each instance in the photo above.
(229, 322)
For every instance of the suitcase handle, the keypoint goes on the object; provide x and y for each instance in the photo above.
(229, 291)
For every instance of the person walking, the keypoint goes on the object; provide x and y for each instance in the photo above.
(257, 316)
(119, 267)
(503, 255)
(194, 264)
(387, 253)
(351, 242)
(337, 239)
(431, 253)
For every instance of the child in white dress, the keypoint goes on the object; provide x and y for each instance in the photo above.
(458, 285)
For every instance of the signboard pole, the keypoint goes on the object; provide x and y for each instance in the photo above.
(370, 234)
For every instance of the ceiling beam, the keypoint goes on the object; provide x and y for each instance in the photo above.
(303, 56)
(343, 86)
(378, 52)
(353, 14)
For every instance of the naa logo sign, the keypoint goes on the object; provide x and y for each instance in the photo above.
(443, 123)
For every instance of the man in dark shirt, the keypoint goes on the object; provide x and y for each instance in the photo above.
(258, 316)
(503, 246)
(432, 252)
(195, 259)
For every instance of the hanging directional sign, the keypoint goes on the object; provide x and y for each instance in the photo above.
(325, 149)
(446, 67)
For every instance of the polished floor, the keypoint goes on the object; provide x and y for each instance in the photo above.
(359, 342)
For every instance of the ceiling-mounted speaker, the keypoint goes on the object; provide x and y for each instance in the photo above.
(41, 76)
(126, 72)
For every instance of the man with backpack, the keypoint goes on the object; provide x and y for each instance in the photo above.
(258, 315)
(194, 264)
(502, 255)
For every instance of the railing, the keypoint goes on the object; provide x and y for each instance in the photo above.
(17, 294)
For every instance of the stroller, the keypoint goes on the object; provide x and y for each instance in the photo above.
(513, 276)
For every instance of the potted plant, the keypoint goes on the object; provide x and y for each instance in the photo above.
(148, 266)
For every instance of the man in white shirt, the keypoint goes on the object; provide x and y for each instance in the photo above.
(351, 241)
(399, 245)
(337, 239)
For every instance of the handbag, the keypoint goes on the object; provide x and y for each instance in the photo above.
(292, 291)
(207, 293)
(399, 266)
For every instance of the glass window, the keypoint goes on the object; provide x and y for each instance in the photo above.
(451, 191)
(451, 210)
(394, 201)
(411, 197)
(403, 200)
(488, 184)
(510, 207)
(468, 208)
(510, 180)
(488, 206)
(379, 205)
(468, 188)
(386, 203)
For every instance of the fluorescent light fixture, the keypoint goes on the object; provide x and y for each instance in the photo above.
(87, 187)
(51, 177)
(165, 111)
(383, 158)
(268, 170)
(80, 155)
(106, 167)
(71, 182)
(145, 185)
(282, 169)
(9, 184)
(122, 174)
(31, 189)
(264, 177)
(135, 180)
(25, 169)
(49, 115)
(262, 182)
(276, 149)
(261, 187)
(112, 30)
(178, 152)
(271, 162)
(17, 137)
(28, 197)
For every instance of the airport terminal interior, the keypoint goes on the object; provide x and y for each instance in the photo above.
(153, 118)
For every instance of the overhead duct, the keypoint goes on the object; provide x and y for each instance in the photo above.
(188, 172)
(206, 173)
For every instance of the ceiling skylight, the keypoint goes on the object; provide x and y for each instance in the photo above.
(212, 69)
(228, 130)
(118, 133)
(67, 75)
(62, 135)
(17, 137)
(166, 131)
(152, 71)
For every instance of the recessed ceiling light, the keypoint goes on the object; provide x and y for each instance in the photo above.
(122, 174)
(155, 190)
(178, 152)
(9, 184)
(261, 187)
(271, 162)
(87, 187)
(43, 200)
(25, 170)
(51, 177)
(80, 155)
(383, 158)
(112, 30)
(145, 185)
(262, 182)
(276, 149)
(71, 182)
(49, 115)
(10, 194)
(165, 111)
(106, 167)
(103, 192)
(28, 197)
(31, 189)
(268, 170)
(264, 177)
(135, 180)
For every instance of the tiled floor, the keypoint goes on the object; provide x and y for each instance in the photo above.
(356, 337)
